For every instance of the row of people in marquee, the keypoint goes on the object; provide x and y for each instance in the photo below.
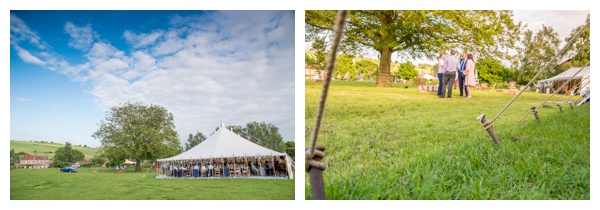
(206, 169)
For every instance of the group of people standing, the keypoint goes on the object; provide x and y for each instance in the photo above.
(449, 68)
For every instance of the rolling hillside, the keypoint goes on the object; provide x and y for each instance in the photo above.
(44, 149)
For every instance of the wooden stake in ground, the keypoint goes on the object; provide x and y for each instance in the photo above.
(489, 128)
(535, 113)
(317, 188)
(571, 105)
(560, 107)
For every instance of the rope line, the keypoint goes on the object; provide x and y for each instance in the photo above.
(524, 116)
(339, 29)
(488, 124)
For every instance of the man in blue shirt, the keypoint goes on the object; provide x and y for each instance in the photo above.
(461, 77)
(450, 68)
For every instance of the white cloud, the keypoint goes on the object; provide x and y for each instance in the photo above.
(28, 57)
(19, 31)
(143, 39)
(81, 37)
(23, 99)
(562, 21)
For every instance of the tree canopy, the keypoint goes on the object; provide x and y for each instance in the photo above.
(407, 71)
(490, 71)
(579, 52)
(133, 130)
(290, 149)
(261, 133)
(536, 52)
(417, 33)
(194, 140)
(67, 155)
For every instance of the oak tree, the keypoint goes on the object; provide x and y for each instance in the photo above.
(133, 130)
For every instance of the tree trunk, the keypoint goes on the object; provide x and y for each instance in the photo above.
(385, 62)
(138, 166)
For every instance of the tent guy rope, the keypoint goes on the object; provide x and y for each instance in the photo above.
(313, 164)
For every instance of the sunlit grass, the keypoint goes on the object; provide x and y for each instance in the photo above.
(397, 143)
(50, 184)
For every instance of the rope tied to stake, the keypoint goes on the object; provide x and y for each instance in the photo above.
(315, 161)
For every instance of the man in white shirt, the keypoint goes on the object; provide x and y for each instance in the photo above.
(450, 68)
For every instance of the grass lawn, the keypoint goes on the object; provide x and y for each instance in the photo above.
(397, 143)
(50, 184)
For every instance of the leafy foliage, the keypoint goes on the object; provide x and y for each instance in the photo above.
(536, 51)
(67, 155)
(133, 130)
(417, 33)
(344, 64)
(490, 71)
(580, 50)
(264, 134)
(290, 149)
(407, 71)
(317, 59)
(194, 140)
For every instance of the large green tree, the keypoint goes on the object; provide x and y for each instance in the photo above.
(579, 52)
(365, 66)
(344, 63)
(67, 155)
(261, 133)
(133, 130)
(535, 52)
(194, 140)
(418, 33)
(490, 71)
(407, 71)
(265, 134)
(319, 55)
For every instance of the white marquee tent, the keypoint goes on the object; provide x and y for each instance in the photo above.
(582, 78)
(225, 145)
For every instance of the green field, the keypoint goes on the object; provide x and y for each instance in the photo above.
(50, 184)
(397, 143)
(43, 149)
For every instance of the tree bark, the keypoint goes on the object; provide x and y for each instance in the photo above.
(138, 167)
(385, 62)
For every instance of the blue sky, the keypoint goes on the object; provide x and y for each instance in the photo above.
(68, 67)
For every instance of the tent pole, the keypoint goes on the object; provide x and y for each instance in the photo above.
(273, 168)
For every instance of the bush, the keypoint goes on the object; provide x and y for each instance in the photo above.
(107, 164)
(503, 85)
(87, 165)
